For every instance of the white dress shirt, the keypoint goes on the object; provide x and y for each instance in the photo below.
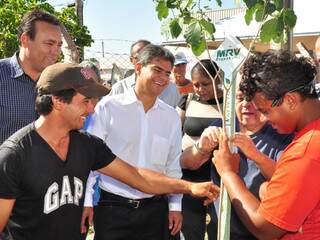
(170, 95)
(150, 140)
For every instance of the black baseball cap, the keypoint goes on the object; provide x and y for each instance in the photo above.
(63, 76)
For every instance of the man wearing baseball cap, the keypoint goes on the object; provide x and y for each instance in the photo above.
(184, 85)
(44, 166)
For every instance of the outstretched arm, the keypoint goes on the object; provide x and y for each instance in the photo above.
(155, 183)
(6, 206)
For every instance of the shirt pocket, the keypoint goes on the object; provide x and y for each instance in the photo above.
(159, 150)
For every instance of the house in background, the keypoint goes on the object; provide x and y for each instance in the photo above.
(231, 22)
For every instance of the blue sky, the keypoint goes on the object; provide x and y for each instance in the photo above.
(126, 20)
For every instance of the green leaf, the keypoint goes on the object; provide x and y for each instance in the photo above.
(289, 18)
(219, 2)
(162, 10)
(268, 30)
(270, 8)
(172, 3)
(195, 38)
(199, 48)
(207, 26)
(250, 3)
(249, 15)
(187, 18)
(278, 4)
(279, 38)
(175, 28)
(193, 34)
(185, 4)
(259, 13)
(280, 24)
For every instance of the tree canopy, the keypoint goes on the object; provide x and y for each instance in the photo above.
(188, 18)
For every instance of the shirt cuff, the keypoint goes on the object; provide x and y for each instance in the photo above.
(175, 202)
(88, 199)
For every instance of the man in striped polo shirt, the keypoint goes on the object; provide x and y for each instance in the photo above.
(40, 45)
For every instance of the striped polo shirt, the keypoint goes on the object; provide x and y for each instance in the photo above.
(17, 97)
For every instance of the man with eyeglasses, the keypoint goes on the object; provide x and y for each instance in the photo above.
(282, 87)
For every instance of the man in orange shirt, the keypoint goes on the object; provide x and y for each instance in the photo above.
(282, 87)
(184, 85)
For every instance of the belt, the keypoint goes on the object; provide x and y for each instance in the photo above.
(110, 199)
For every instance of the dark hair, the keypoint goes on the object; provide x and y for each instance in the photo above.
(211, 66)
(275, 73)
(142, 42)
(28, 22)
(152, 51)
(44, 102)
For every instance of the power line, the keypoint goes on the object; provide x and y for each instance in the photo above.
(113, 39)
(108, 53)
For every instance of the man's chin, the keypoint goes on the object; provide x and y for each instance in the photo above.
(159, 89)
(283, 131)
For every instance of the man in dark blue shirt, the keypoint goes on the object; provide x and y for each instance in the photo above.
(40, 43)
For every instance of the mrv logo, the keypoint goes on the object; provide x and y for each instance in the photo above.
(228, 54)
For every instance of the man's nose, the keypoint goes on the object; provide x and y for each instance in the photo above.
(56, 49)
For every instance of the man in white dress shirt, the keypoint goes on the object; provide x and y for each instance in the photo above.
(170, 95)
(146, 132)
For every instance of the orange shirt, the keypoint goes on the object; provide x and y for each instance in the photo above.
(292, 197)
(185, 89)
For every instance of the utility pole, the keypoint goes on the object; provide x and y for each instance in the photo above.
(102, 48)
(79, 12)
(288, 45)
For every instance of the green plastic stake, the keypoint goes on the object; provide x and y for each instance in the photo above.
(229, 57)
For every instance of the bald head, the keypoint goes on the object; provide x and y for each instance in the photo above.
(136, 48)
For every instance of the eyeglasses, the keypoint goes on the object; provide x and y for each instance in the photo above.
(278, 100)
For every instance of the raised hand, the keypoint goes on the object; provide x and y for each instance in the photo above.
(209, 138)
(245, 143)
(223, 159)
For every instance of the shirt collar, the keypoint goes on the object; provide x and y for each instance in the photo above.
(310, 126)
(16, 69)
(131, 97)
(132, 80)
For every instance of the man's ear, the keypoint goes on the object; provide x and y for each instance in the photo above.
(292, 100)
(57, 103)
(138, 68)
(133, 60)
(24, 39)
